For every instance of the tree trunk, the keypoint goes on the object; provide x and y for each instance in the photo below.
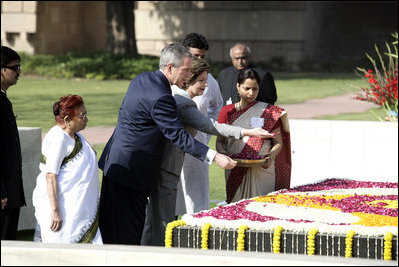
(121, 37)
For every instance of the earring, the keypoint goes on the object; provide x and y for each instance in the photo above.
(66, 123)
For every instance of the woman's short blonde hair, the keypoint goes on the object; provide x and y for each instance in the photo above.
(199, 66)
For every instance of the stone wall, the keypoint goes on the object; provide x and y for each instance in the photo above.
(297, 31)
(346, 30)
(224, 23)
(53, 27)
(31, 140)
(23, 253)
(359, 150)
(70, 26)
(19, 25)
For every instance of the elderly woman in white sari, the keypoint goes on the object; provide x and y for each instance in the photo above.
(67, 189)
(275, 174)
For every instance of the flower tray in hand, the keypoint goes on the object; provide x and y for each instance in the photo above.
(249, 160)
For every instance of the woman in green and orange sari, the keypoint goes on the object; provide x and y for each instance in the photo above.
(275, 173)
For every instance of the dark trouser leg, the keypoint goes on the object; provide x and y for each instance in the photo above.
(122, 214)
(147, 238)
(9, 223)
(160, 210)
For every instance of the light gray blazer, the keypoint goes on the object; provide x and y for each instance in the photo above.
(190, 116)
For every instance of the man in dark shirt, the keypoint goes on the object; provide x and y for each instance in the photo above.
(12, 192)
(227, 79)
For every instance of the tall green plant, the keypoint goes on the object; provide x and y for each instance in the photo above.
(382, 81)
(395, 43)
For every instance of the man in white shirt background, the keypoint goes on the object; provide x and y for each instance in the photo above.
(193, 188)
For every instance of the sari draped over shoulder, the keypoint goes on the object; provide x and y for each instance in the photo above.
(247, 182)
(78, 195)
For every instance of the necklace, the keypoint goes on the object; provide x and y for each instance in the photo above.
(239, 106)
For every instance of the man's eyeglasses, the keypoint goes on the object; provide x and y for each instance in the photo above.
(242, 58)
(14, 68)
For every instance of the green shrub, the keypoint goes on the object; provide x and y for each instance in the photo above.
(106, 66)
(90, 65)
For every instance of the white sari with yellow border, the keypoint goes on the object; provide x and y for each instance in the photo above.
(75, 163)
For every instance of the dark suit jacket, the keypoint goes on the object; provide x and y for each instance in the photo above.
(227, 80)
(10, 156)
(148, 116)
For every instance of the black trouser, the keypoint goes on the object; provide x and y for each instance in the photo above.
(9, 223)
(122, 214)
(161, 210)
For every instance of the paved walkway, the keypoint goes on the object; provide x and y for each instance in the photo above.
(332, 105)
(313, 108)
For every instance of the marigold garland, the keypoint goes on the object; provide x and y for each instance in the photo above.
(169, 232)
(276, 239)
(204, 235)
(311, 241)
(297, 200)
(241, 237)
(375, 220)
(373, 208)
(348, 243)
(388, 246)
(390, 204)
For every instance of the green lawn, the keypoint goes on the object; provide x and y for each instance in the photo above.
(33, 97)
(299, 87)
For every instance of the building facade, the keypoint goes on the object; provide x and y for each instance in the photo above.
(294, 30)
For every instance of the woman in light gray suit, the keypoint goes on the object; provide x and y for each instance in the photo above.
(162, 203)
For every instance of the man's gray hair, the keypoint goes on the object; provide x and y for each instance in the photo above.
(236, 44)
(173, 54)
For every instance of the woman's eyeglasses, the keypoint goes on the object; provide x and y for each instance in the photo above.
(14, 68)
(83, 116)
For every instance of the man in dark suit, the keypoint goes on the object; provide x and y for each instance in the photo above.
(131, 159)
(240, 57)
(12, 191)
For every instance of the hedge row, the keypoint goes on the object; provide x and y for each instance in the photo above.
(93, 65)
(105, 65)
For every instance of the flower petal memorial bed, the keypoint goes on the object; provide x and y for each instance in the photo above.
(334, 217)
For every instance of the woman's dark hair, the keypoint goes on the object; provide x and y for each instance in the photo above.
(8, 55)
(67, 106)
(198, 66)
(247, 74)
